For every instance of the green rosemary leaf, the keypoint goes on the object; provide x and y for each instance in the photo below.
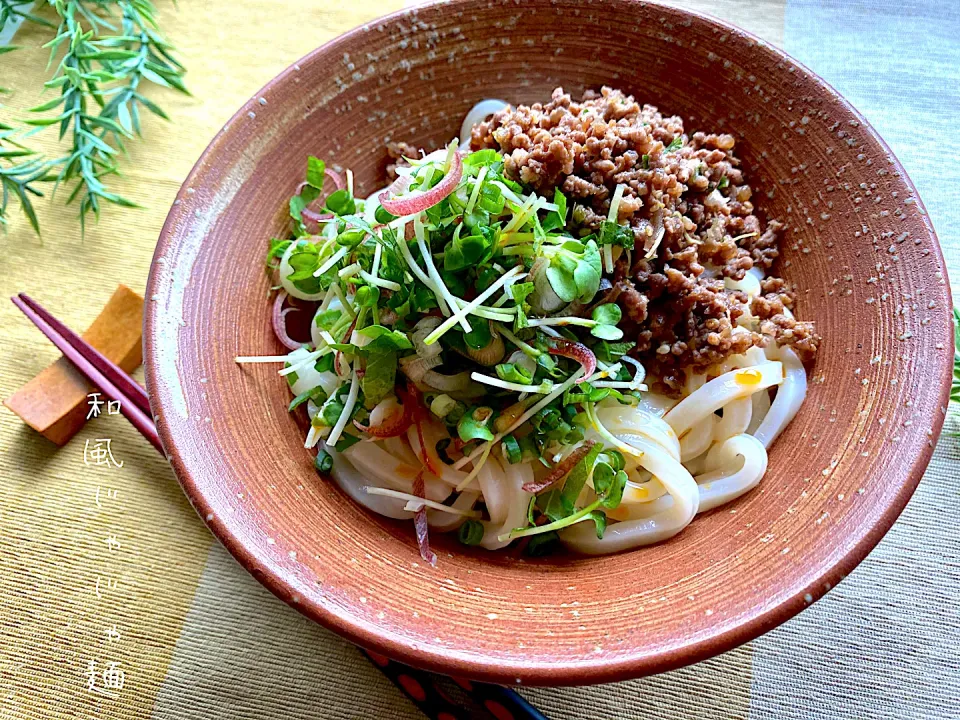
(13, 9)
(151, 106)
(123, 116)
(104, 56)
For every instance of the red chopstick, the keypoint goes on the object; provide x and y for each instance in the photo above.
(126, 384)
(135, 406)
(108, 380)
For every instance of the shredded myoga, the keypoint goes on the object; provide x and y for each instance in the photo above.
(482, 329)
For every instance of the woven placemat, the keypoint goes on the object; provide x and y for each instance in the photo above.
(109, 568)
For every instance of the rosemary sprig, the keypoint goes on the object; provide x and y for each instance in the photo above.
(79, 81)
(13, 9)
(101, 75)
(150, 59)
(20, 170)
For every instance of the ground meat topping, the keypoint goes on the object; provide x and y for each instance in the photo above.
(694, 197)
(396, 152)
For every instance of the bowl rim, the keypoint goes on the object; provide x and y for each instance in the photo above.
(518, 672)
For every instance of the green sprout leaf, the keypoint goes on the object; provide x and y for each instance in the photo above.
(316, 394)
(574, 271)
(610, 352)
(560, 503)
(600, 520)
(520, 292)
(511, 450)
(613, 234)
(543, 544)
(607, 316)
(479, 336)
(609, 484)
(556, 219)
(383, 338)
(462, 253)
(341, 202)
(379, 376)
(315, 173)
(276, 250)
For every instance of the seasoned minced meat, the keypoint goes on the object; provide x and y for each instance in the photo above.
(396, 152)
(691, 213)
(771, 307)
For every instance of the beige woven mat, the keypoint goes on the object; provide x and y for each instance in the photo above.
(139, 581)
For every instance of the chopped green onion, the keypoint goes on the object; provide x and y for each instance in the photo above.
(471, 532)
(323, 462)
(511, 450)
(442, 405)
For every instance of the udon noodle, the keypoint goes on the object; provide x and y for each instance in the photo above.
(689, 457)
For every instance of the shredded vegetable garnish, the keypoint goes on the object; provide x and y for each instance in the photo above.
(465, 369)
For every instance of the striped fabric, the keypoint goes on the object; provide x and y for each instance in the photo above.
(112, 566)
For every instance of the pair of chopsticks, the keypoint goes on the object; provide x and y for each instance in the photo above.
(112, 381)
(420, 686)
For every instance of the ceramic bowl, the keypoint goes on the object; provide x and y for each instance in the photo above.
(859, 245)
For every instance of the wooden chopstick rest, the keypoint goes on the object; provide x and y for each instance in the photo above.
(54, 403)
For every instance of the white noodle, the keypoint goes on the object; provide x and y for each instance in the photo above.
(400, 450)
(788, 400)
(736, 418)
(743, 461)
(431, 435)
(517, 499)
(444, 521)
(625, 419)
(352, 480)
(496, 494)
(750, 284)
(719, 391)
(699, 438)
(382, 469)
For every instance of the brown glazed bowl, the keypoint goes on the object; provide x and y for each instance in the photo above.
(859, 246)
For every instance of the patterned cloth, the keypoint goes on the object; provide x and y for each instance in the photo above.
(108, 577)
